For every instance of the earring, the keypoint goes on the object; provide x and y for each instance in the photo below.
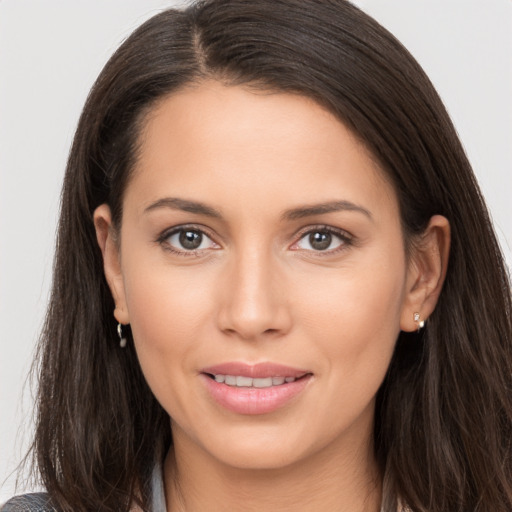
(421, 323)
(122, 339)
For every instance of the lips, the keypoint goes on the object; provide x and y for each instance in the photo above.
(254, 389)
(256, 371)
(248, 382)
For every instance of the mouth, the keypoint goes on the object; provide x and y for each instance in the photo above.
(241, 381)
(254, 389)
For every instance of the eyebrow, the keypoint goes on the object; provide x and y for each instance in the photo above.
(321, 208)
(185, 205)
(301, 212)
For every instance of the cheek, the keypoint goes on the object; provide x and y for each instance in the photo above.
(354, 316)
(163, 302)
(169, 310)
(367, 293)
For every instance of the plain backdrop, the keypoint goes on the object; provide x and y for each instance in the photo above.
(50, 53)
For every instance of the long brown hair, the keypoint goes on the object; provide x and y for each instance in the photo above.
(443, 424)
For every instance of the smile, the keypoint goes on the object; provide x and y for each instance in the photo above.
(248, 382)
(254, 389)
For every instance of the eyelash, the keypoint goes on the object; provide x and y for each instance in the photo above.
(164, 237)
(346, 239)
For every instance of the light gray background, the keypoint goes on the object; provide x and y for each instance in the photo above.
(50, 53)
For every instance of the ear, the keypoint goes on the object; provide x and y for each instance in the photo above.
(426, 272)
(107, 240)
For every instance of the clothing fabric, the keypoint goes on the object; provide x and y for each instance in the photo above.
(40, 501)
(33, 502)
(158, 493)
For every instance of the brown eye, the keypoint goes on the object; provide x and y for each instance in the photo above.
(190, 240)
(183, 240)
(320, 241)
(323, 240)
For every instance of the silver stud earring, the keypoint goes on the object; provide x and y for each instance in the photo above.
(122, 339)
(421, 323)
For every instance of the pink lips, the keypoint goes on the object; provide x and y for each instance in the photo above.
(253, 400)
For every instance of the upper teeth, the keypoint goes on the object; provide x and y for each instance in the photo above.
(249, 382)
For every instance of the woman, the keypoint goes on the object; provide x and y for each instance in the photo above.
(276, 282)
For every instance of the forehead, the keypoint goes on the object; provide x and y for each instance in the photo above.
(225, 143)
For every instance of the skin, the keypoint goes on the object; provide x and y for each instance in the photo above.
(258, 290)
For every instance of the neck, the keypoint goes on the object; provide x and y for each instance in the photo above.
(336, 479)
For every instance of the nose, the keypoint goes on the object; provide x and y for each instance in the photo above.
(254, 302)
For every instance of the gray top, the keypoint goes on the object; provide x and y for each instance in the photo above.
(40, 501)
(158, 504)
(34, 502)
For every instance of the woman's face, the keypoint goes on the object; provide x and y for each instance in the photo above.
(260, 243)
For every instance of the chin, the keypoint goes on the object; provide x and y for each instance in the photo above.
(259, 447)
(256, 458)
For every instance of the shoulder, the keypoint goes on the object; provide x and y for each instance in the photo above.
(34, 502)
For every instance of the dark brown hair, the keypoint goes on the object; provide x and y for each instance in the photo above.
(443, 421)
